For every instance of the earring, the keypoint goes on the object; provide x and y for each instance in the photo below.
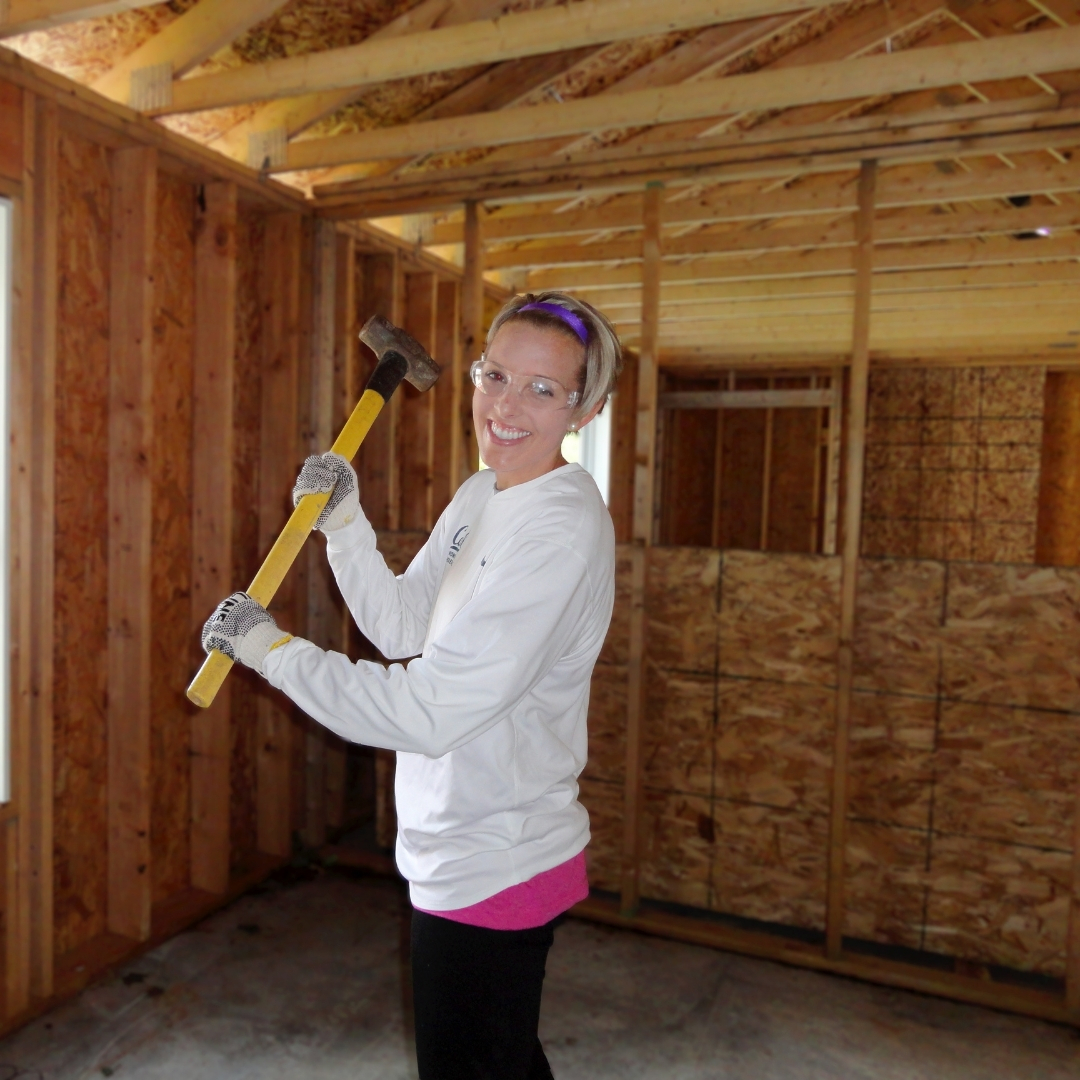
(572, 427)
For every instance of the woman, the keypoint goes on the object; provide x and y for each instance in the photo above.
(508, 604)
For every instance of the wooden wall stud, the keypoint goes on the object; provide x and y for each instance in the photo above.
(849, 566)
(644, 473)
(130, 519)
(212, 512)
(277, 471)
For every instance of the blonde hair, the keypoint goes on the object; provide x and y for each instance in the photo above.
(603, 353)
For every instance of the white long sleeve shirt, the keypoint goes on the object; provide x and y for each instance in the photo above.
(508, 604)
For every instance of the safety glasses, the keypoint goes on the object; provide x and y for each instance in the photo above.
(535, 391)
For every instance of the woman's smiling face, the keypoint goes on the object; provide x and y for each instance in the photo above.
(518, 441)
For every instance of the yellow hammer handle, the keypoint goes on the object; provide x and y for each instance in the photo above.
(282, 555)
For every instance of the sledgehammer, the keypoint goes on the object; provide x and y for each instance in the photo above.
(400, 357)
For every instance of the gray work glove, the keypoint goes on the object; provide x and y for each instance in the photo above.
(330, 472)
(243, 630)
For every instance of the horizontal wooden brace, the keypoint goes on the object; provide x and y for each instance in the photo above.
(25, 16)
(447, 48)
(786, 951)
(1023, 277)
(747, 399)
(716, 205)
(1011, 56)
(1040, 221)
(837, 262)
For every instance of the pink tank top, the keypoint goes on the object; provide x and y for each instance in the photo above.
(530, 904)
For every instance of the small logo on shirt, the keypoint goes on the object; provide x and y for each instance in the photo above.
(456, 544)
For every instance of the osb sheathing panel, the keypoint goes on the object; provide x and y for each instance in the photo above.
(679, 714)
(884, 886)
(891, 773)
(899, 606)
(779, 616)
(680, 603)
(953, 463)
(999, 903)
(604, 801)
(82, 379)
(172, 644)
(770, 864)
(677, 839)
(607, 724)
(1010, 636)
(1007, 774)
(773, 744)
(247, 401)
(616, 648)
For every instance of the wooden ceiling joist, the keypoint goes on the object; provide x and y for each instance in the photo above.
(717, 206)
(785, 155)
(1032, 223)
(185, 43)
(1023, 280)
(296, 114)
(957, 254)
(967, 307)
(487, 41)
(868, 77)
(25, 16)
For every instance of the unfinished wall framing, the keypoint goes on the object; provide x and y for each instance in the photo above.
(106, 856)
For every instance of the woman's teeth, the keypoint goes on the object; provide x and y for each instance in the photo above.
(501, 432)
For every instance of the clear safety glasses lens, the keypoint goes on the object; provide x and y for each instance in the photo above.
(536, 391)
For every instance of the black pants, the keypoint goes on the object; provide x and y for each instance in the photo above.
(476, 996)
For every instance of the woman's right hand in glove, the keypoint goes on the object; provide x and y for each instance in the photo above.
(331, 473)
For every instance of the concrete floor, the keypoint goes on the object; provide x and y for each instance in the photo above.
(304, 980)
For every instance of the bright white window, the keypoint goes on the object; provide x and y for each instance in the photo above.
(5, 378)
(591, 449)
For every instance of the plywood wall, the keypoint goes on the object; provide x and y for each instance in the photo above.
(965, 748)
(80, 533)
(952, 466)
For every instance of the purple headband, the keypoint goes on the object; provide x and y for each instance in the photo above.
(568, 317)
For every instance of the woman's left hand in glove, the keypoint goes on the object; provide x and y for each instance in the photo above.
(243, 630)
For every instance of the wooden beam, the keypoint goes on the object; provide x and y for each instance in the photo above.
(295, 114)
(25, 16)
(487, 41)
(463, 450)
(44, 195)
(923, 980)
(726, 159)
(899, 229)
(134, 180)
(323, 621)
(617, 300)
(448, 393)
(278, 455)
(212, 526)
(183, 44)
(858, 384)
(897, 189)
(644, 478)
(867, 77)
(381, 295)
(347, 388)
(745, 399)
(964, 305)
(956, 254)
(416, 433)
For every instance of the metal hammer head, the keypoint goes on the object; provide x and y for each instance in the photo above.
(380, 336)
